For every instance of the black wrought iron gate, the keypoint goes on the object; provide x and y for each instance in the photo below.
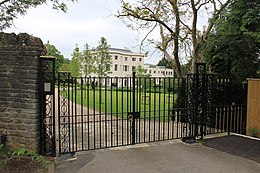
(102, 112)
(47, 105)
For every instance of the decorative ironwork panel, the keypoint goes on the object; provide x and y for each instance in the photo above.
(190, 103)
(47, 102)
(64, 80)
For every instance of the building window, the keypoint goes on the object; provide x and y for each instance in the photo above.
(133, 68)
(133, 59)
(150, 71)
(125, 58)
(125, 68)
(116, 57)
(115, 67)
(154, 71)
(140, 59)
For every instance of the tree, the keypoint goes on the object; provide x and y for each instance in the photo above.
(59, 58)
(233, 48)
(164, 62)
(75, 63)
(141, 72)
(177, 24)
(65, 67)
(88, 61)
(102, 58)
(11, 9)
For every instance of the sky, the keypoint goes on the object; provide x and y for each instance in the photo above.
(84, 22)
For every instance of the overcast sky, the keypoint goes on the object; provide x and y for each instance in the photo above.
(84, 22)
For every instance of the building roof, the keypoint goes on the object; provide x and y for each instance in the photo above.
(122, 50)
(125, 52)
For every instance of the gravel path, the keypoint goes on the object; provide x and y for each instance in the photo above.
(236, 145)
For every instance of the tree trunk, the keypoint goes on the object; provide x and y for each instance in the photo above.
(195, 55)
(176, 40)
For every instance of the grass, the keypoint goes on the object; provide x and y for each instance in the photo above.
(120, 101)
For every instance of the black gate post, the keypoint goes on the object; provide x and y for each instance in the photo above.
(47, 105)
(133, 119)
(200, 99)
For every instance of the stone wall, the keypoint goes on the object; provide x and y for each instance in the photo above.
(19, 90)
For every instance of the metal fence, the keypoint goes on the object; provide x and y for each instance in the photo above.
(102, 112)
(85, 113)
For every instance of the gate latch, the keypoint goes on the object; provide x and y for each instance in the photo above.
(131, 115)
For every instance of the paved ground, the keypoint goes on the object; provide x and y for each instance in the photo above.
(163, 157)
(236, 145)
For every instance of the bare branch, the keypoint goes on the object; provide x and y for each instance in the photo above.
(211, 24)
(1, 3)
(142, 42)
(186, 25)
(206, 2)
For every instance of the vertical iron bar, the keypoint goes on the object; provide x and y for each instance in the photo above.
(94, 113)
(178, 106)
(154, 108)
(111, 115)
(230, 106)
(170, 110)
(150, 103)
(127, 107)
(100, 112)
(204, 101)
(59, 112)
(164, 106)
(106, 110)
(117, 100)
(139, 83)
(122, 104)
(76, 116)
(144, 90)
(82, 106)
(159, 125)
(133, 122)
(139, 107)
(88, 100)
(69, 95)
(72, 114)
(53, 111)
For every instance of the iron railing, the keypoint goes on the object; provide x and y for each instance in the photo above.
(102, 112)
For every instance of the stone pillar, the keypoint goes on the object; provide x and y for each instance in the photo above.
(19, 89)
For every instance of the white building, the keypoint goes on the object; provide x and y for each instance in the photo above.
(124, 62)
(158, 71)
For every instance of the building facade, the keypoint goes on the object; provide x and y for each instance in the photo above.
(124, 62)
(158, 71)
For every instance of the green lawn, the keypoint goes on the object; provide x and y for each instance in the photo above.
(121, 102)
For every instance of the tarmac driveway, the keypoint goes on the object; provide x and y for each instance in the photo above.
(162, 157)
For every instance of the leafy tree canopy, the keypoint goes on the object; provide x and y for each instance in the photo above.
(75, 63)
(164, 62)
(94, 61)
(59, 58)
(11, 9)
(176, 23)
(233, 48)
(102, 57)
